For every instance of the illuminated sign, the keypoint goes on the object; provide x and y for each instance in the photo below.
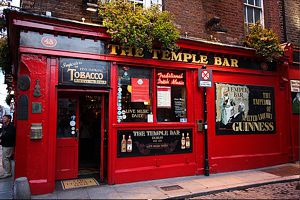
(170, 78)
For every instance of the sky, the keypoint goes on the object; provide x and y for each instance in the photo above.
(3, 91)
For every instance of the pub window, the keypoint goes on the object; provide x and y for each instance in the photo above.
(253, 12)
(134, 94)
(171, 96)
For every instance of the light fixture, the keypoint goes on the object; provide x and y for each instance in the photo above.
(214, 25)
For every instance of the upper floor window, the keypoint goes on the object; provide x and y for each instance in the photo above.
(253, 12)
(147, 3)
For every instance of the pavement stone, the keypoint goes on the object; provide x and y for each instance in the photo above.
(191, 186)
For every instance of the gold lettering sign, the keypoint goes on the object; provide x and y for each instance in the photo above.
(173, 56)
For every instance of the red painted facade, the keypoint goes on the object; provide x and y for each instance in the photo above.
(40, 160)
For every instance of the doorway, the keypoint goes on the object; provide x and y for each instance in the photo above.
(89, 135)
(80, 145)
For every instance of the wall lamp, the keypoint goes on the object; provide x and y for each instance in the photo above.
(214, 25)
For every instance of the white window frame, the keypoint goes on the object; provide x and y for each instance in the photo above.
(148, 3)
(261, 8)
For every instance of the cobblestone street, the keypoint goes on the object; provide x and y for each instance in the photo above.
(285, 190)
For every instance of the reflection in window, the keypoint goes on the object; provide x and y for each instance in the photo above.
(66, 117)
(171, 96)
(134, 94)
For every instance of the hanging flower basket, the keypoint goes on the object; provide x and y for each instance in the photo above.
(265, 42)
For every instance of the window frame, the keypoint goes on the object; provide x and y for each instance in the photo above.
(255, 7)
(147, 3)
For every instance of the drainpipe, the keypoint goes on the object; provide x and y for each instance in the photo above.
(283, 21)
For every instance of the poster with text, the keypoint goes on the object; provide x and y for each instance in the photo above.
(244, 109)
(140, 90)
(163, 97)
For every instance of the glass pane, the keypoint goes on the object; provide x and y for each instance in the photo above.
(251, 2)
(171, 96)
(257, 15)
(134, 94)
(66, 117)
(250, 15)
(245, 1)
(258, 3)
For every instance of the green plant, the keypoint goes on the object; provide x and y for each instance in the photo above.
(265, 42)
(133, 26)
(5, 64)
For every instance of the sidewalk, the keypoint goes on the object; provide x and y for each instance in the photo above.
(182, 187)
(6, 185)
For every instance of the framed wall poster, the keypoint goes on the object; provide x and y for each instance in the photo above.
(244, 109)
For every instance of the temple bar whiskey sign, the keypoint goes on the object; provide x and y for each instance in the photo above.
(154, 142)
(83, 72)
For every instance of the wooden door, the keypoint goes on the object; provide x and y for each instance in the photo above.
(67, 137)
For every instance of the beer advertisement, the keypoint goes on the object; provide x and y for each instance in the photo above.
(244, 109)
(154, 142)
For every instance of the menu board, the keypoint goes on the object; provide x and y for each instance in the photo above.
(179, 107)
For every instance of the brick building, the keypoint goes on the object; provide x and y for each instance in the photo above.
(85, 103)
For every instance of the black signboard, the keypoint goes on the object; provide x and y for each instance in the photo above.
(61, 42)
(83, 72)
(244, 109)
(154, 142)
(179, 107)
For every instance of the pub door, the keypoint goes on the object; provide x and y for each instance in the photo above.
(80, 128)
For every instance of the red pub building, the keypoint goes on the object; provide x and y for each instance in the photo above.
(83, 102)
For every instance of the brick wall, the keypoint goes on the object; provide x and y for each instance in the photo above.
(292, 21)
(190, 15)
(73, 10)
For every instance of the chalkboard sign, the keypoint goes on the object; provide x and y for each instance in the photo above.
(154, 142)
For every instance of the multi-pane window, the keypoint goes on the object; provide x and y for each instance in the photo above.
(147, 3)
(253, 12)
